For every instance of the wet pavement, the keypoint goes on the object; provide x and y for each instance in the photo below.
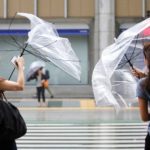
(102, 136)
(80, 115)
(82, 128)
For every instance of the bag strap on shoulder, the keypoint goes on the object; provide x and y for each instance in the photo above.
(2, 96)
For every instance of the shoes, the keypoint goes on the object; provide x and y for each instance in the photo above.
(34, 96)
(52, 96)
(44, 104)
(39, 104)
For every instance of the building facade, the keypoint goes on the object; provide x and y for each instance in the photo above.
(90, 25)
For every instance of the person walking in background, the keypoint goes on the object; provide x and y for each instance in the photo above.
(143, 94)
(40, 78)
(46, 83)
(6, 85)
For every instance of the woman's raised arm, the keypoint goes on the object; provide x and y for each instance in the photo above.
(7, 85)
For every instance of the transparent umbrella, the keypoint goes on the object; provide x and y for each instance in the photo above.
(44, 42)
(34, 67)
(113, 84)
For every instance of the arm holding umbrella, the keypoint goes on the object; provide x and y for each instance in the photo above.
(7, 85)
(138, 73)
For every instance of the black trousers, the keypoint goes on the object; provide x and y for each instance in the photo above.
(8, 145)
(147, 142)
(41, 92)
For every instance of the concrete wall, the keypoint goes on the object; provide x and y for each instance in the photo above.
(48, 8)
(104, 28)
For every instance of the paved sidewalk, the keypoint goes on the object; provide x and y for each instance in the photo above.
(73, 111)
(60, 102)
(79, 115)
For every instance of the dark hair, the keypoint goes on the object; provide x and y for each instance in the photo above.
(147, 57)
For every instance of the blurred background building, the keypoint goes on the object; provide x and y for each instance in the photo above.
(90, 25)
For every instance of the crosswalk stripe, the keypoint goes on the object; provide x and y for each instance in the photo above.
(84, 138)
(82, 149)
(84, 128)
(81, 146)
(84, 134)
(85, 131)
(79, 142)
(127, 136)
(92, 125)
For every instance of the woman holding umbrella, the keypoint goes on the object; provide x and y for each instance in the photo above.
(36, 72)
(6, 85)
(143, 93)
(40, 78)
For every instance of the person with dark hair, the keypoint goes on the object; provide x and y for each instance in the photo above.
(40, 78)
(143, 94)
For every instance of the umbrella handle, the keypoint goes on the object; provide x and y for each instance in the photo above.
(131, 65)
(21, 54)
(138, 76)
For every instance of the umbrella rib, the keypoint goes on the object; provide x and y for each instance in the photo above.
(36, 55)
(45, 45)
(122, 64)
(131, 57)
(136, 55)
(53, 57)
(46, 60)
(13, 38)
(14, 45)
(9, 50)
(134, 48)
(129, 61)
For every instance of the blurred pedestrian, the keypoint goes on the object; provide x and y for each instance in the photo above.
(40, 78)
(6, 85)
(46, 83)
(143, 94)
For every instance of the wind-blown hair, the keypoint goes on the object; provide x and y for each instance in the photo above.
(146, 52)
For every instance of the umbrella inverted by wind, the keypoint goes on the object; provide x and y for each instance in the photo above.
(133, 56)
(44, 42)
(105, 79)
(34, 67)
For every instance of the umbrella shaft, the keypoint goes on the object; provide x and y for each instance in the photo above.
(23, 50)
(130, 64)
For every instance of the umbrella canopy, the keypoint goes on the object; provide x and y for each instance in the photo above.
(44, 42)
(133, 56)
(146, 32)
(112, 81)
(34, 67)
